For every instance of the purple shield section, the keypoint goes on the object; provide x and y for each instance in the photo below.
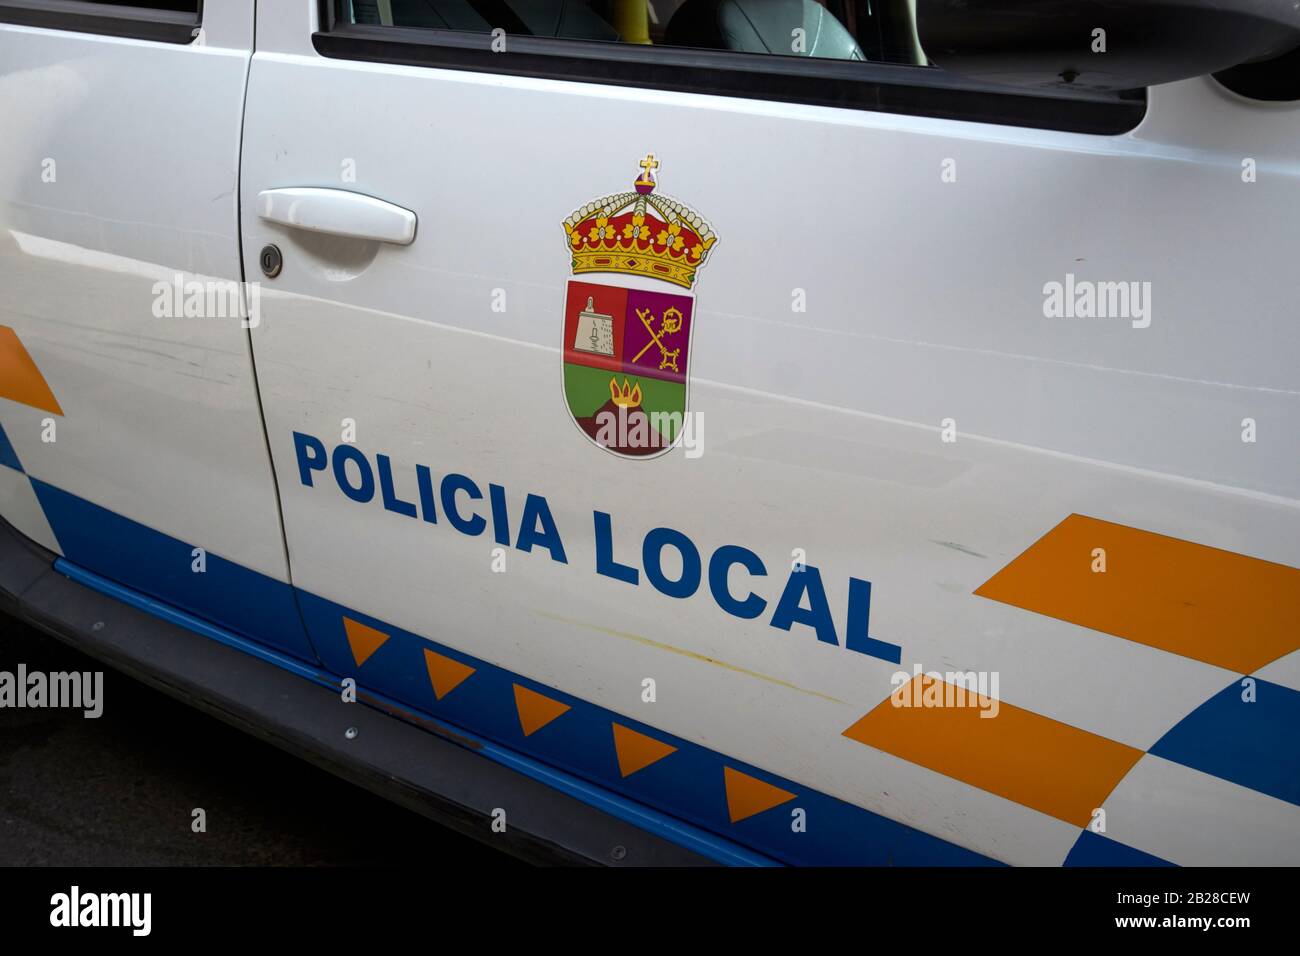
(657, 334)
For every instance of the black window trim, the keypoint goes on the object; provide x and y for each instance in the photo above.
(104, 19)
(879, 87)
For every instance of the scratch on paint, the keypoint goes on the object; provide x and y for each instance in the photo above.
(685, 653)
(433, 726)
(957, 547)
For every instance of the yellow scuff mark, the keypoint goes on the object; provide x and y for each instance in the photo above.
(685, 653)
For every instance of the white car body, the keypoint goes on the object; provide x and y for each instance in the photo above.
(887, 397)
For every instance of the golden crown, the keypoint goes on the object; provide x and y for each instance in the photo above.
(625, 395)
(639, 233)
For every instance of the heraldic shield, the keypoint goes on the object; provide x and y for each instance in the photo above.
(627, 342)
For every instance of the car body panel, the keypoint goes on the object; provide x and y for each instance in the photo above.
(907, 465)
(824, 429)
(118, 193)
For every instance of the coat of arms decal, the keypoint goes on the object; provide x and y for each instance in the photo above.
(627, 341)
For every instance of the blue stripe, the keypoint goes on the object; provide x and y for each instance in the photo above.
(707, 844)
(199, 626)
(688, 783)
(228, 594)
(575, 752)
(1093, 849)
(1251, 743)
(8, 457)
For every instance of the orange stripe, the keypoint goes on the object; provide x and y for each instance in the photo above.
(362, 639)
(748, 796)
(20, 379)
(445, 674)
(636, 751)
(535, 710)
(1036, 761)
(1219, 607)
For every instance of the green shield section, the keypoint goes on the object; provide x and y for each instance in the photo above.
(587, 391)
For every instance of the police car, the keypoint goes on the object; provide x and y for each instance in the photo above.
(677, 431)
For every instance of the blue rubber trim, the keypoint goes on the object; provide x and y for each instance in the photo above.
(199, 626)
(683, 834)
(151, 562)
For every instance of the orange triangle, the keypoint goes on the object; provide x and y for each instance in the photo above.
(20, 379)
(636, 750)
(444, 673)
(748, 795)
(363, 640)
(536, 711)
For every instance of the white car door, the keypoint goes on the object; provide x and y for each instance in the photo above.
(989, 386)
(130, 417)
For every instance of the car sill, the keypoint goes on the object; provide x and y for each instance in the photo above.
(452, 778)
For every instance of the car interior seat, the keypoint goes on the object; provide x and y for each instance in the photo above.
(570, 19)
(762, 26)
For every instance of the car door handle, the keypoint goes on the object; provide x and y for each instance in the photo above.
(337, 212)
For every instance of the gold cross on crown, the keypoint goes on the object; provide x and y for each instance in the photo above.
(648, 164)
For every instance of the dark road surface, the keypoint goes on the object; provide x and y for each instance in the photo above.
(120, 790)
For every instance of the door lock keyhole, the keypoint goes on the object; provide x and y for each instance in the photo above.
(271, 261)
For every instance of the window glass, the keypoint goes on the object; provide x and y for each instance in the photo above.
(871, 30)
(175, 6)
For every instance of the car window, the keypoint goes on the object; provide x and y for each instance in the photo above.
(855, 54)
(166, 21)
(174, 6)
(867, 30)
